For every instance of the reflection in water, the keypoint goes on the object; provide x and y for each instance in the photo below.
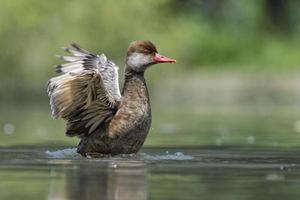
(93, 182)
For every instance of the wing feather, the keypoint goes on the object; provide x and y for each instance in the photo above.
(82, 59)
(86, 93)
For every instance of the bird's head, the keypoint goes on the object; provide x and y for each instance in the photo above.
(142, 54)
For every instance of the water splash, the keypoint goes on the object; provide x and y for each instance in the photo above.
(166, 156)
(71, 152)
(61, 153)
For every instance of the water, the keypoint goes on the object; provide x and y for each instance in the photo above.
(155, 173)
(207, 154)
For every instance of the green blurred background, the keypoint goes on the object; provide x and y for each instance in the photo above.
(236, 81)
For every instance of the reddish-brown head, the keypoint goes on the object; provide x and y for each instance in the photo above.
(141, 54)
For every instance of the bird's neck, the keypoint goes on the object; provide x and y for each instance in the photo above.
(135, 87)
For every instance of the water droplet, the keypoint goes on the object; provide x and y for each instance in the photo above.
(8, 128)
(275, 177)
(251, 139)
(114, 165)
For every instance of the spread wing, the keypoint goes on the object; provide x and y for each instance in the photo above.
(86, 93)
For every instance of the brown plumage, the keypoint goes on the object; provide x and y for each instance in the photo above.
(86, 94)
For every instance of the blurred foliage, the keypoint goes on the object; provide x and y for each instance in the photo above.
(198, 33)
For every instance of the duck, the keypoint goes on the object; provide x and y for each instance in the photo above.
(86, 95)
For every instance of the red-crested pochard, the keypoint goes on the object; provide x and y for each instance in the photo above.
(86, 94)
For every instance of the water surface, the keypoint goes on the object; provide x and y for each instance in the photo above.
(155, 173)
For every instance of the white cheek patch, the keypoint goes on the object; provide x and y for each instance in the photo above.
(138, 61)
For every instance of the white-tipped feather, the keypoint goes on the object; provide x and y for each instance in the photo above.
(77, 63)
(102, 58)
(71, 58)
(75, 52)
(73, 68)
(88, 82)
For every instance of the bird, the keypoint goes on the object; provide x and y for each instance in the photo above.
(86, 95)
